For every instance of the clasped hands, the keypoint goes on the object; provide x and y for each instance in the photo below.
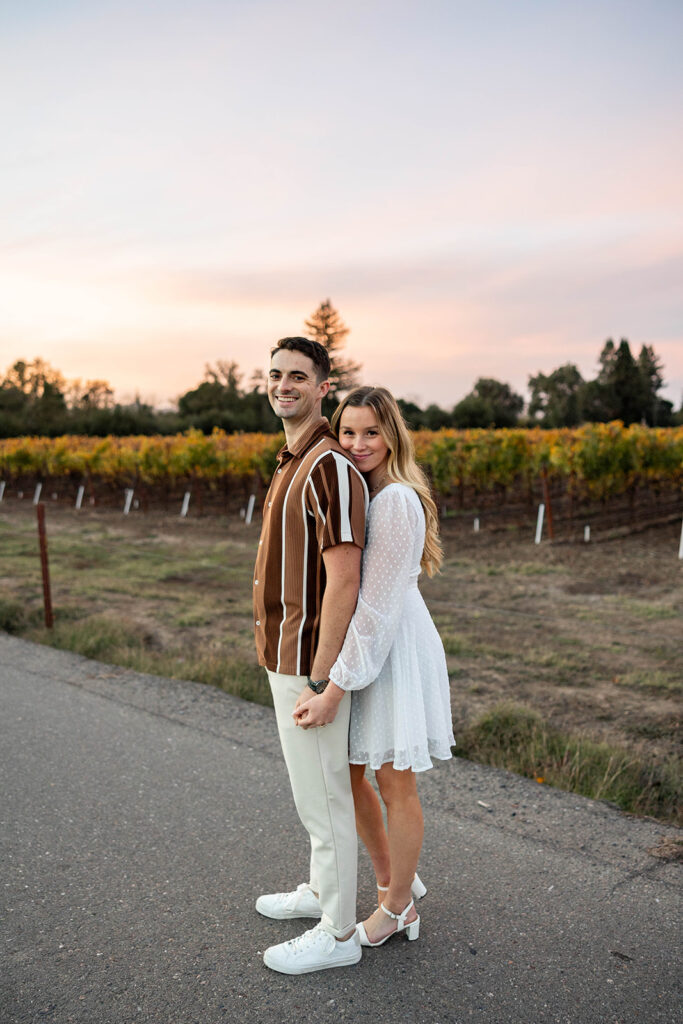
(314, 710)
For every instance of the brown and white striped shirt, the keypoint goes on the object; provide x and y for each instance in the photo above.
(317, 499)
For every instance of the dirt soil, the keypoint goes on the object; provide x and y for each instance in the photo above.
(588, 634)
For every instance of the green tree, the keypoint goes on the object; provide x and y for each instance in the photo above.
(627, 385)
(473, 411)
(220, 401)
(557, 398)
(490, 403)
(32, 399)
(657, 411)
(434, 417)
(411, 412)
(215, 401)
(601, 396)
(327, 327)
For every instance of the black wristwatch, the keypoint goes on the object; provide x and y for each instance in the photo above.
(317, 685)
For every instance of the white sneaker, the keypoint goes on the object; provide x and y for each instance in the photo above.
(282, 906)
(315, 950)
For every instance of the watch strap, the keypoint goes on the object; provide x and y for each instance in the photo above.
(317, 685)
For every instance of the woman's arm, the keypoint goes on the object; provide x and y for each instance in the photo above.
(387, 565)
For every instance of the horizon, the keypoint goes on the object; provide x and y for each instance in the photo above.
(481, 191)
(171, 405)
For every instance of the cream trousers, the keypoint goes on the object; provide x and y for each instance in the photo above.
(318, 764)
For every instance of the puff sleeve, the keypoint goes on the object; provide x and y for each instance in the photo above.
(386, 575)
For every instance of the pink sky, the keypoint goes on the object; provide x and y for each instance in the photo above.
(481, 189)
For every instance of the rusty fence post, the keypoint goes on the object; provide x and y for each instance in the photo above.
(47, 599)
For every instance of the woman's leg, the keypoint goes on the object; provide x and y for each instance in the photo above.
(370, 823)
(406, 829)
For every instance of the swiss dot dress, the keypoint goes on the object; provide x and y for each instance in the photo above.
(393, 659)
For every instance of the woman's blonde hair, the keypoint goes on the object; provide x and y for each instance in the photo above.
(401, 465)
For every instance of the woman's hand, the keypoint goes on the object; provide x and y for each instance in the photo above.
(319, 709)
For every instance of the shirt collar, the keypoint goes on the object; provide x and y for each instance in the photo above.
(317, 429)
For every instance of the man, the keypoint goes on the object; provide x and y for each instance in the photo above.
(306, 584)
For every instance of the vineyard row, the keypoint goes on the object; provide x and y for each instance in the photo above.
(597, 461)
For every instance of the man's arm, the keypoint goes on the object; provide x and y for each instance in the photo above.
(342, 569)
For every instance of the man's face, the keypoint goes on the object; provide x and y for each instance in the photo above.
(293, 389)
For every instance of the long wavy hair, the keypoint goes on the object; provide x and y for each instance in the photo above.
(401, 465)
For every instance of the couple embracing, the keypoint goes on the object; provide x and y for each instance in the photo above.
(355, 664)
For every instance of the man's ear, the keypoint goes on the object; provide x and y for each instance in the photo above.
(325, 386)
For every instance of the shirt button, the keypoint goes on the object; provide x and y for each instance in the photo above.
(269, 504)
(260, 543)
(258, 622)
(279, 470)
(256, 583)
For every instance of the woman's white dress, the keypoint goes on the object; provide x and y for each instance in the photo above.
(393, 659)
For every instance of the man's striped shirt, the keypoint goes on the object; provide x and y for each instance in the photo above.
(317, 499)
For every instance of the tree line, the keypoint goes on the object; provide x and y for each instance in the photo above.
(36, 399)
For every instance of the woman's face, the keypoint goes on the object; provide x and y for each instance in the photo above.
(359, 435)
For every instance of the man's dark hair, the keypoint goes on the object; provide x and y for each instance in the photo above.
(316, 352)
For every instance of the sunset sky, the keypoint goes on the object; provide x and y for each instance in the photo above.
(482, 188)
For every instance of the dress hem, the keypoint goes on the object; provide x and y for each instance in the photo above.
(407, 768)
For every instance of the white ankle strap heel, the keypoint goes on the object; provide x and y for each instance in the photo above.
(417, 888)
(412, 928)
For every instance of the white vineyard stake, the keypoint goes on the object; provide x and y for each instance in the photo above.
(186, 504)
(129, 501)
(476, 525)
(250, 509)
(680, 546)
(586, 533)
(36, 496)
(539, 523)
(79, 496)
(2, 489)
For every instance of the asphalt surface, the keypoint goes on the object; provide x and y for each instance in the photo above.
(141, 817)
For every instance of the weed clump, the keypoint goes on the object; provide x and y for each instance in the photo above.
(129, 644)
(517, 738)
(12, 616)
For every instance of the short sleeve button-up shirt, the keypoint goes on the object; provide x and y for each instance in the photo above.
(317, 499)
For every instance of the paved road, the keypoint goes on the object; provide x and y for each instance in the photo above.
(142, 816)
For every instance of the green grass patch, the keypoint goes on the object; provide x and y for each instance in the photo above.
(95, 636)
(522, 569)
(576, 667)
(130, 645)
(453, 644)
(456, 645)
(13, 616)
(653, 679)
(517, 738)
(648, 610)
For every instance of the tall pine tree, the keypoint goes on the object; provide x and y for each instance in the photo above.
(327, 327)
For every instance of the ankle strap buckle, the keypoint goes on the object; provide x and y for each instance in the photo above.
(397, 917)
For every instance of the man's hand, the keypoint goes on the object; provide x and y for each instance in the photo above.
(305, 694)
(318, 709)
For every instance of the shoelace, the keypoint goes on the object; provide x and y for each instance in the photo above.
(290, 898)
(303, 942)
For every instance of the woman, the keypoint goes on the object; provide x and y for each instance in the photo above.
(392, 659)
